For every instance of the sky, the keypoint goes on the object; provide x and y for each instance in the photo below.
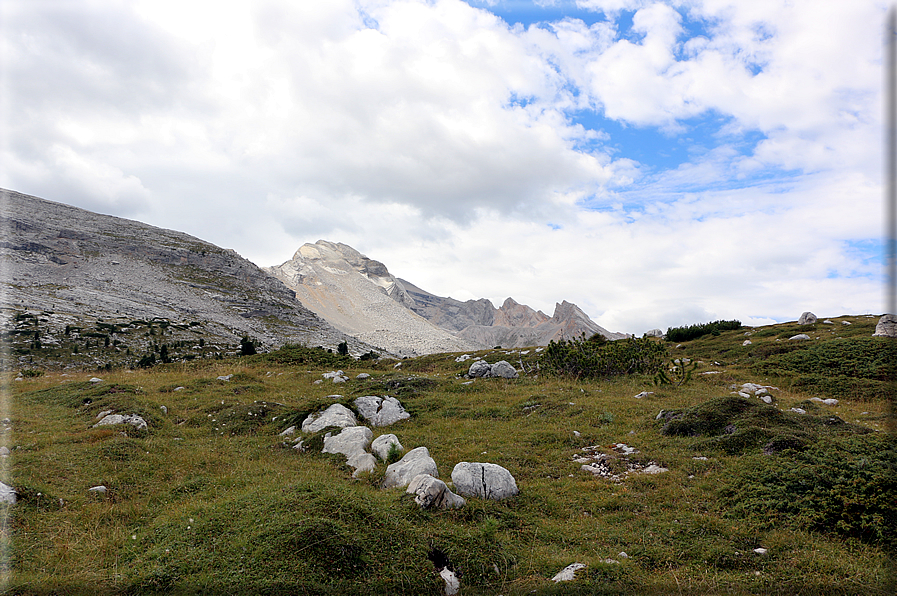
(658, 163)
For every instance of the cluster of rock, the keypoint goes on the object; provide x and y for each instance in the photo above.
(502, 369)
(748, 390)
(595, 461)
(416, 470)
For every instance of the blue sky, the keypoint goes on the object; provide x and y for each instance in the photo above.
(657, 163)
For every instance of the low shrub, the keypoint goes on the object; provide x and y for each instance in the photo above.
(580, 358)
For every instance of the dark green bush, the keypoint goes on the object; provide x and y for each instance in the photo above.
(700, 329)
(580, 358)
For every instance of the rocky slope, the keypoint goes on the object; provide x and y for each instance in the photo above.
(66, 270)
(361, 298)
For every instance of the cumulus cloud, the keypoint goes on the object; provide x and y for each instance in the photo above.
(474, 157)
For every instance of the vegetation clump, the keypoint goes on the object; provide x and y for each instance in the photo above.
(584, 359)
(677, 334)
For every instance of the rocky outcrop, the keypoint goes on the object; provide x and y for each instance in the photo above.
(78, 267)
(448, 313)
(359, 296)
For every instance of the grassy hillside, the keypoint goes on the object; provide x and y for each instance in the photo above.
(210, 499)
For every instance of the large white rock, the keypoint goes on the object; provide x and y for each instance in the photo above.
(382, 445)
(132, 419)
(503, 369)
(362, 462)
(381, 411)
(807, 318)
(417, 461)
(349, 441)
(432, 492)
(568, 573)
(336, 415)
(480, 368)
(886, 326)
(7, 494)
(487, 481)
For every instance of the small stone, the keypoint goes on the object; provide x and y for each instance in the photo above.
(100, 489)
(288, 432)
(7, 494)
(96, 380)
(761, 551)
(178, 389)
(654, 469)
(799, 337)
(798, 410)
(746, 342)
(363, 376)
(164, 409)
(4, 451)
(643, 394)
(576, 433)
(225, 377)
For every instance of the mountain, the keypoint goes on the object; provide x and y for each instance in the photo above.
(66, 270)
(360, 297)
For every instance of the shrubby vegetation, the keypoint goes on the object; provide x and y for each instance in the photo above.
(587, 359)
(678, 334)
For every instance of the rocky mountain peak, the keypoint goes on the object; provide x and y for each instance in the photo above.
(513, 314)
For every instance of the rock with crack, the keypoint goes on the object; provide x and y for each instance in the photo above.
(383, 444)
(336, 415)
(381, 411)
(132, 419)
(483, 480)
(432, 492)
(417, 461)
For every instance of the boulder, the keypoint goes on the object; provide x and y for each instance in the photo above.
(654, 333)
(363, 376)
(349, 441)
(799, 337)
(381, 411)
(568, 573)
(886, 326)
(807, 318)
(487, 481)
(336, 415)
(417, 461)
(480, 368)
(7, 494)
(362, 462)
(503, 369)
(432, 492)
(382, 445)
(132, 419)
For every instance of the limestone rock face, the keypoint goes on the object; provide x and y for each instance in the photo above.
(336, 415)
(483, 480)
(359, 296)
(381, 411)
(432, 492)
(417, 461)
(886, 326)
(83, 266)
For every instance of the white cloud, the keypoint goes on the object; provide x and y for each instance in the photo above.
(439, 140)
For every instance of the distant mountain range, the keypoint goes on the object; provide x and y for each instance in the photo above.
(73, 279)
(360, 297)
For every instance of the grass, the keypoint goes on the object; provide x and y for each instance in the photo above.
(210, 499)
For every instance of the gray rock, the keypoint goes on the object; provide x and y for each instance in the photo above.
(96, 380)
(382, 445)
(568, 573)
(654, 333)
(886, 326)
(478, 369)
(7, 494)
(503, 369)
(799, 337)
(417, 461)
(132, 419)
(100, 489)
(654, 469)
(288, 432)
(225, 377)
(349, 441)
(363, 376)
(381, 411)
(362, 462)
(807, 318)
(747, 342)
(4, 451)
(336, 415)
(486, 481)
(432, 492)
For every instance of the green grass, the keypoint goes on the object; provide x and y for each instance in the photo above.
(210, 499)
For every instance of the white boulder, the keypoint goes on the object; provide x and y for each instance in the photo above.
(568, 573)
(382, 444)
(486, 481)
(807, 318)
(336, 415)
(886, 326)
(432, 492)
(381, 411)
(417, 461)
(480, 368)
(504, 370)
(349, 441)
